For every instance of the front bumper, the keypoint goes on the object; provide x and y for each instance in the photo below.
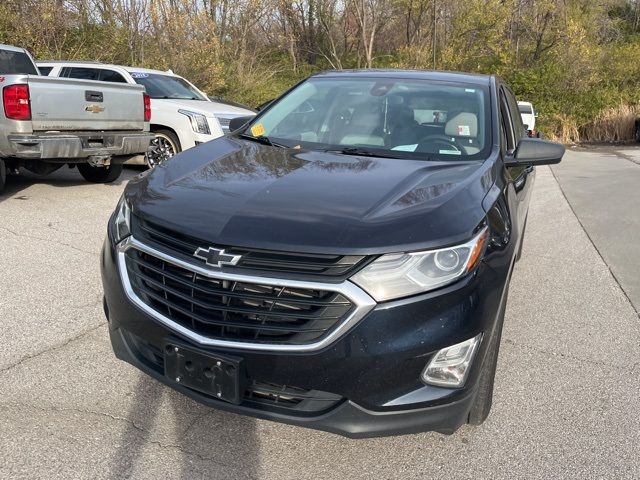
(78, 145)
(346, 418)
(373, 369)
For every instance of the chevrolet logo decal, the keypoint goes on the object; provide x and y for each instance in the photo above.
(216, 257)
(94, 108)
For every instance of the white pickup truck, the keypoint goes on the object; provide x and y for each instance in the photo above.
(46, 122)
(529, 115)
(183, 116)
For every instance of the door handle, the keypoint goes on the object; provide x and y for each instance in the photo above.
(93, 96)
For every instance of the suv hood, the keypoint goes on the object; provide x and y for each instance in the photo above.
(207, 108)
(235, 192)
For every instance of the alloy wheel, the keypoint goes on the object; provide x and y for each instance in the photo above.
(160, 150)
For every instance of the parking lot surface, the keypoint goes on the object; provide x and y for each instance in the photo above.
(601, 186)
(565, 404)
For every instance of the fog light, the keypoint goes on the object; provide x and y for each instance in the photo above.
(450, 366)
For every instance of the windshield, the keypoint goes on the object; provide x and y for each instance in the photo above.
(526, 109)
(167, 86)
(400, 118)
(16, 63)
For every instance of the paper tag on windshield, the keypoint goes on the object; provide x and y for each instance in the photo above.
(464, 131)
(257, 130)
(450, 152)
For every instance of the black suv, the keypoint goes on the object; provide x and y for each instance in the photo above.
(341, 261)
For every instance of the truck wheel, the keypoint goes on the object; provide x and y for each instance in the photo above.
(100, 174)
(3, 175)
(484, 398)
(165, 144)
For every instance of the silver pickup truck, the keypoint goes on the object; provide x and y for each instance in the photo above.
(48, 122)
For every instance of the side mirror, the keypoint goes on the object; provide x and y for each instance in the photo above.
(535, 115)
(533, 151)
(239, 122)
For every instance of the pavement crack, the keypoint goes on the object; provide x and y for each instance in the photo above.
(194, 422)
(548, 353)
(142, 431)
(626, 157)
(51, 349)
(49, 240)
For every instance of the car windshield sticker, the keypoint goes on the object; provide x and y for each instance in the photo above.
(464, 131)
(257, 130)
(450, 152)
(139, 75)
(406, 148)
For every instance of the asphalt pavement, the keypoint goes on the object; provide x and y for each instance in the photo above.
(602, 186)
(567, 387)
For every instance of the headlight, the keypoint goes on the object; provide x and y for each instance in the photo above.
(122, 220)
(224, 123)
(198, 121)
(403, 274)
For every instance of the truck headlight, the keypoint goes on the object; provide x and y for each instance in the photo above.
(122, 221)
(198, 121)
(403, 274)
(450, 366)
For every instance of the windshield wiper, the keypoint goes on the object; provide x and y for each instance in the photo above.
(361, 152)
(262, 139)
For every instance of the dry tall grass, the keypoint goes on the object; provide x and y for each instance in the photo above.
(612, 125)
(562, 128)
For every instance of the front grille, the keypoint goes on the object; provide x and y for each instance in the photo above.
(276, 263)
(235, 310)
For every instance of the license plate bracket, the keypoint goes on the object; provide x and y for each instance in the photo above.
(215, 375)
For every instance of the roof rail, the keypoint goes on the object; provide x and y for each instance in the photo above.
(70, 61)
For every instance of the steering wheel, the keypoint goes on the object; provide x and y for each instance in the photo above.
(432, 140)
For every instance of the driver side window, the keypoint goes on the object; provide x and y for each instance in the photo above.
(516, 119)
(506, 129)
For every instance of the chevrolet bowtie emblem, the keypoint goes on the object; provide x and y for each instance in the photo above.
(216, 257)
(94, 108)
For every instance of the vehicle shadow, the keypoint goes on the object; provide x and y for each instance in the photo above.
(63, 178)
(200, 442)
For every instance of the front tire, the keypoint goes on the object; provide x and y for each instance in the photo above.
(484, 398)
(165, 144)
(522, 237)
(100, 174)
(3, 175)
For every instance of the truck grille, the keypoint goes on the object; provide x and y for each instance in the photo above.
(235, 310)
(276, 263)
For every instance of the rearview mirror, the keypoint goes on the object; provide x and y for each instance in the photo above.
(533, 151)
(239, 122)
